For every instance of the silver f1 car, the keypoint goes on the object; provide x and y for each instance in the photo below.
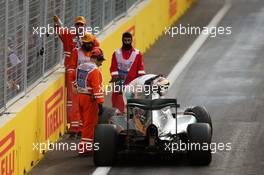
(154, 125)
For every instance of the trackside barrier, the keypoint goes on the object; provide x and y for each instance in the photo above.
(35, 119)
(40, 116)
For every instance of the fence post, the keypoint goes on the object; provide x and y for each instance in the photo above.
(126, 6)
(114, 11)
(26, 3)
(44, 39)
(6, 54)
(63, 21)
(103, 14)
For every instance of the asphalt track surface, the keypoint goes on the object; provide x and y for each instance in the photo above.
(225, 75)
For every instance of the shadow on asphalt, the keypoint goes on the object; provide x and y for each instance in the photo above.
(144, 160)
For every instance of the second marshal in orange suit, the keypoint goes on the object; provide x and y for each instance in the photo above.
(78, 57)
(91, 97)
(70, 41)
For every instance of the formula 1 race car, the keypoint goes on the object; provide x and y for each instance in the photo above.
(155, 126)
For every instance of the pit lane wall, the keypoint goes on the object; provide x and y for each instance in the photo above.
(40, 116)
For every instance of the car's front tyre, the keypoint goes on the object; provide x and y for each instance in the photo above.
(201, 115)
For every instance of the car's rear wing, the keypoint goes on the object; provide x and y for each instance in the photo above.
(155, 104)
(150, 105)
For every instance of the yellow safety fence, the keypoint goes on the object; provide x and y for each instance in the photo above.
(42, 119)
(40, 116)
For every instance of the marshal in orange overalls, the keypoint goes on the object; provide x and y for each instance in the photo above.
(90, 90)
(71, 41)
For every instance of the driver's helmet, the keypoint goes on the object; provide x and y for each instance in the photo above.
(163, 85)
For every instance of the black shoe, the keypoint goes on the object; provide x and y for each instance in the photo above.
(73, 135)
(79, 135)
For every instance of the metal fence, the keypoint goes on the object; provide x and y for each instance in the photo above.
(25, 57)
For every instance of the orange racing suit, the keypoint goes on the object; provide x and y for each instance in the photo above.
(70, 41)
(89, 88)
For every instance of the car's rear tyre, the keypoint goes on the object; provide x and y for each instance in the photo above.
(201, 115)
(199, 135)
(107, 137)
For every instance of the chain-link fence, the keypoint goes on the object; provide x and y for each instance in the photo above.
(26, 57)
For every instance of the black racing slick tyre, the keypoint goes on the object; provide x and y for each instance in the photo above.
(201, 115)
(107, 138)
(199, 151)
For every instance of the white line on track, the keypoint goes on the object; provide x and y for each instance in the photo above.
(179, 67)
(187, 57)
(101, 171)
